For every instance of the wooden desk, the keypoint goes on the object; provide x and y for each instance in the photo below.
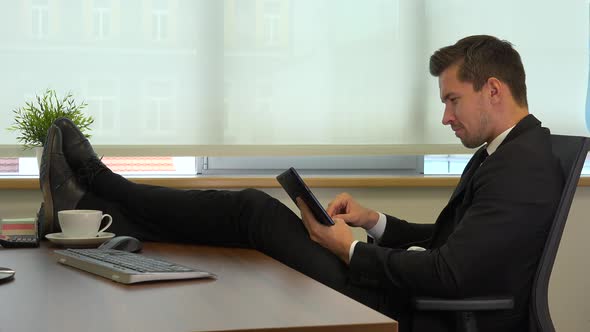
(253, 293)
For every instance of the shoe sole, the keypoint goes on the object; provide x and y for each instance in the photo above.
(47, 197)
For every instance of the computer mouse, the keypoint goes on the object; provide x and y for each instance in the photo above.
(124, 243)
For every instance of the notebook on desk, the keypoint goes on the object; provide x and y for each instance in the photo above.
(126, 267)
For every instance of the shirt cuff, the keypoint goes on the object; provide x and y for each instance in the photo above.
(376, 232)
(351, 250)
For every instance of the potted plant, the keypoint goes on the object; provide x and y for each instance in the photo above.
(33, 120)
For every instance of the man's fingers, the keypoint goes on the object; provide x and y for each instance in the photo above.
(337, 219)
(334, 207)
(329, 208)
(306, 214)
(302, 206)
(343, 217)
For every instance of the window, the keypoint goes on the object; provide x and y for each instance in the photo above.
(160, 18)
(101, 15)
(160, 111)
(9, 166)
(445, 164)
(320, 165)
(103, 103)
(271, 19)
(455, 164)
(40, 18)
(442, 165)
(237, 78)
(127, 166)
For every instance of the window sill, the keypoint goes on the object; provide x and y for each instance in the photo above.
(224, 182)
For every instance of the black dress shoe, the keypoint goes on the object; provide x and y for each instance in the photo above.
(78, 151)
(61, 190)
(76, 146)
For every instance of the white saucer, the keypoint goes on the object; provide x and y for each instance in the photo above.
(59, 238)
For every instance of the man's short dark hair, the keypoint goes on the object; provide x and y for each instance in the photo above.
(481, 57)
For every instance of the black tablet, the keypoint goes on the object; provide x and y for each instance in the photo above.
(295, 187)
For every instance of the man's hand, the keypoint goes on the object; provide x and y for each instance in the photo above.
(346, 208)
(336, 238)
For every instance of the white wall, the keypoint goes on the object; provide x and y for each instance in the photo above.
(570, 283)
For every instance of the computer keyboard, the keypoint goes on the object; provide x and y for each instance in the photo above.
(126, 267)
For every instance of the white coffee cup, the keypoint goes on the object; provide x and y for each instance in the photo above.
(82, 223)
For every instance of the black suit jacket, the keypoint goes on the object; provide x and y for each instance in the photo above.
(486, 241)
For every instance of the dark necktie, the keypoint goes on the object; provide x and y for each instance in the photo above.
(483, 155)
(476, 161)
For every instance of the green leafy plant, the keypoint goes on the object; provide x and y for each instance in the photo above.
(33, 120)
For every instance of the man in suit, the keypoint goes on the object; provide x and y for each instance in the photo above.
(487, 240)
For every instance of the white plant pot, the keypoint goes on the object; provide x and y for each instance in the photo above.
(38, 154)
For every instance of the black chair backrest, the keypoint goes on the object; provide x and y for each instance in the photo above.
(571, 152)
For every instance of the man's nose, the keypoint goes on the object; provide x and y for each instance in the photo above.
(447, 116)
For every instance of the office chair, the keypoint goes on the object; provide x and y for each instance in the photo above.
(571, 152)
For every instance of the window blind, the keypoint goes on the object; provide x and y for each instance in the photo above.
(278, 77)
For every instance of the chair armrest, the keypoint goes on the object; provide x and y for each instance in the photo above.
(467, 304)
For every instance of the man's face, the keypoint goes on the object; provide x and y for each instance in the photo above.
(466, 110)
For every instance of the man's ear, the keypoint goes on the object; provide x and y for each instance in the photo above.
(494, 90)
